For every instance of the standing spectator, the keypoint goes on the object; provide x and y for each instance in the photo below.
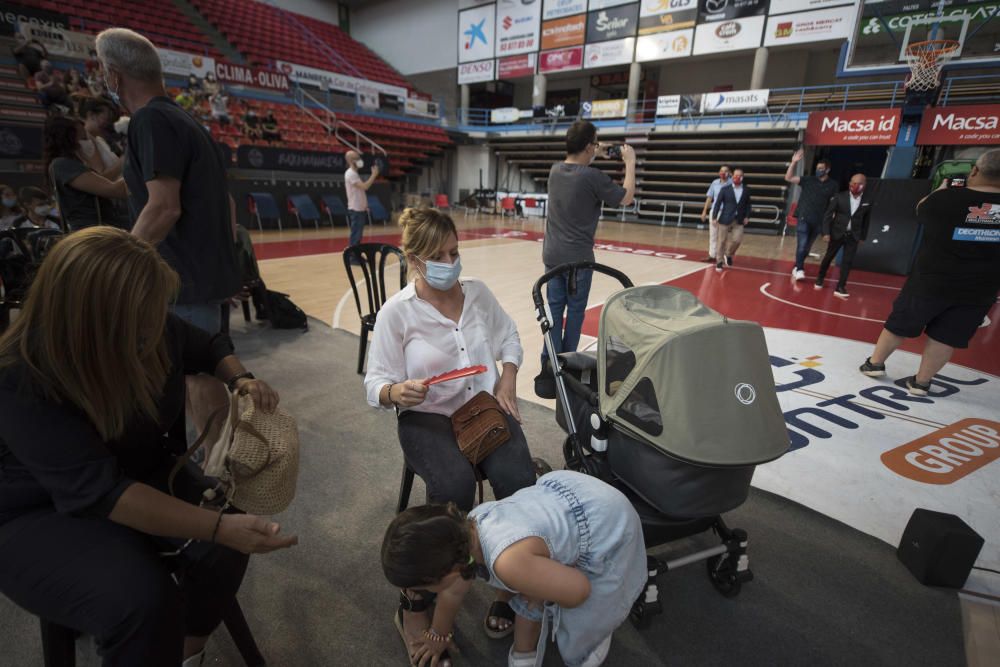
(51, 86)
(210, 86)
(713, 224)
(9, 208)
(576, 192)
(815, 196)
(357, 195)
(83, 194)
(955, 278)
(36, 205)
(270, 128)
(732, 210)
(845, 225)
(29, 54)
(219, 103)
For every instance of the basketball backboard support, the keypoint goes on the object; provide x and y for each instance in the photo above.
(884, 29)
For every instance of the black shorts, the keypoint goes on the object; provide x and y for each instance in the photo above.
(946, 322)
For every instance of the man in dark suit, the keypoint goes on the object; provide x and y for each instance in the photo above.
(845, 225)
(732, 210)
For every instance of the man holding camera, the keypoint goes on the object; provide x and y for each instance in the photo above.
(576, 193)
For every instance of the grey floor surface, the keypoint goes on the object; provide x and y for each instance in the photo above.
(824, 593)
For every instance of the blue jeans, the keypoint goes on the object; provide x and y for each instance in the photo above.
(575, 305)
(357, 221)
(805, 235)
(207, 316)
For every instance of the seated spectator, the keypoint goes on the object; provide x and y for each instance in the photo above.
(438, 323)
(29, 54)
(251, 124)
(75, 85)
(185, 100)
(219, 103)
(210, 86)
(98, 119)
(194, 86)
(269, 128)
(36, 205)
(83, 194)
(91, 384)
(51, 87)
(9, 208)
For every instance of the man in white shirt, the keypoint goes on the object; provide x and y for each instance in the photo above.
(710, 197)
(845, 225)
(357, 195)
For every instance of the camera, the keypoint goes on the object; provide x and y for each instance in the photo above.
(614, 153)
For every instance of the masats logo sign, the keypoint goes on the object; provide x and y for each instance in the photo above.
(564, 32)
(516, 67)
(663, 15)
(877, 127)
(618, 52)
(517, 27)
(554, 9)
(728, 35)
(809, 26)
(613, 23)
(560, 61)
(476, 30)
(975, 125)
(735, 100)
(250, 76)
(675, 44)
(477, 72)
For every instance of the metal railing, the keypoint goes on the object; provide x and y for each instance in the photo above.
(326, 117)
(665, 209)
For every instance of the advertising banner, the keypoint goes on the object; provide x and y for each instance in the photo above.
(976, 125)
(612, 23)
(663, 45)
(484, 70)
(515, 67)
(367, 98)
(562, 60)
(672, 105)
(604, 4)
(727, 10)
(733, 35)
(604, 109)
(603, 54)
(661, 15)
(476, 30)
(417, 107)
(564, 32)
(735, 100)
(284, 159)
(183, 64)
(788, 6)
(876, 127)
(814, 26)
(517, 27)
(13, 17)
(553, 9)
(61, 43)
(253, 77)
(335, 81)
(18, 142)
(505, 115)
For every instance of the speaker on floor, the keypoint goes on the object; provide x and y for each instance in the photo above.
(939, 549)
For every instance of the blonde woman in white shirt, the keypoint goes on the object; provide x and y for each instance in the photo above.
(436, 324)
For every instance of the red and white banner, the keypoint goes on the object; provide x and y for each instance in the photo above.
(254, 77)
(875, 127)
(560, 60)
(975, 125)
(515, 67)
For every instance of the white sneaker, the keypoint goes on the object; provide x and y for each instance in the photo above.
(798, 274)
(599, 654)
(840, 294)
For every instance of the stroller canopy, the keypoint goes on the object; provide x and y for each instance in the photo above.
(686, 380)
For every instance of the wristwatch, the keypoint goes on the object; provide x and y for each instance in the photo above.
(246, 375)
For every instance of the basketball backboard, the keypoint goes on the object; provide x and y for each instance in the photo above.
(885, 28)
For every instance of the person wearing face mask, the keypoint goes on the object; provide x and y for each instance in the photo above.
(98, 116)
(37, 206)
(357, 195)
(813, 199)
(732, 211)
(713, 224)
(436, 324)
(9, 209)
(845, 225)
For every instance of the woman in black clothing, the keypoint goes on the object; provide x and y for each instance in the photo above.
(91, 382)
(83, 194)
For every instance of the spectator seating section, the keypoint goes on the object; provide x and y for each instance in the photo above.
(303, 208)
(262, 206)
(333, 206)
(376, 211)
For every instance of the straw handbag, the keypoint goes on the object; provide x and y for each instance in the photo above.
(255, 456)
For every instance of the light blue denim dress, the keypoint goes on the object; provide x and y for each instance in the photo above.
(586, 524)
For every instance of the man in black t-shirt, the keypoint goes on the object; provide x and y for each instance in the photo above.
(815, 197)
(955, 279)
(176, 177)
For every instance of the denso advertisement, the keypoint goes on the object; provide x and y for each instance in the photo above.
(875, 127)
(975, 125)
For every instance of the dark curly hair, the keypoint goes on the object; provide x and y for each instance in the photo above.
(62, 136)
(423, 544)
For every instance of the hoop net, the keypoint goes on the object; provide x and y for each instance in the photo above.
(926, 59)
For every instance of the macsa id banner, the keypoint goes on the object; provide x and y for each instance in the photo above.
(972, 125)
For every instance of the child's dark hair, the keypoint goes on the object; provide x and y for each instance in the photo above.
(423, 544)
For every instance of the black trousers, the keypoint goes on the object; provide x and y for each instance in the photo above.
(849, 243)
(110, 581)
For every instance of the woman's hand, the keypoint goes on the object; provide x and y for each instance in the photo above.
(251, 534)
(408, 394)
(264, 397)
(427, 653)
(506, 392)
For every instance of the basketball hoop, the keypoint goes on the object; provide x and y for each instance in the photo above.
(926, 59)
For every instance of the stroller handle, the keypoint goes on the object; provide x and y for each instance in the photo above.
(571, 268)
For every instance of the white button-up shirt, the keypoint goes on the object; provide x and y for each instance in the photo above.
(414, 341)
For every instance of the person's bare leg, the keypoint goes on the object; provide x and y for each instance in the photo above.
(886, 345)
(936, 354)
(526, 633)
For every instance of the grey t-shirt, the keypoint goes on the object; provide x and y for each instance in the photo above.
(79, 209)
(574, 208)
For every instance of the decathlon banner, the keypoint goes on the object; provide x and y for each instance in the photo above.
(876, 127)
(517, 27)
(663, 45)
(476, 31)
(815, 26)
(867, 453)
(975, 125)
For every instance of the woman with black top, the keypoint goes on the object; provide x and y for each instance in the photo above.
(91, 384)
(82, 194)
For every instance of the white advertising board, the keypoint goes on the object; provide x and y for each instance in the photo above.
(484, 70)
(663, 45)
(735, 100)
(823, 24)
(603, 54)
(476, 31)
(733, 35)
(789, 6)
(556, 9)
(334, 80)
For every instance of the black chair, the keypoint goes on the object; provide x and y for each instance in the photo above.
(405, 487)
(368, 257)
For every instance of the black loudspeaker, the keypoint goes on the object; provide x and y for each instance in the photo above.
(939, 549)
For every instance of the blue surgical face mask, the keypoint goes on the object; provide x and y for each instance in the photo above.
(113, 94)
(442, 276)
(820, 172)
(9, 202)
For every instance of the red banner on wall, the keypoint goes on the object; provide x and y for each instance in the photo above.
(875, 127)
(253, 77)
(560, 60)
(514, 67)
(974, 125)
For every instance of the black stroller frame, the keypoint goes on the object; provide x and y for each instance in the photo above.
(727, 563)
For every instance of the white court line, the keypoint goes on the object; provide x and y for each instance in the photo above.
(344, 299)
(763, 290)
(779, 273)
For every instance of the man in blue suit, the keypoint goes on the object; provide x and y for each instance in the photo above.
(732, 210)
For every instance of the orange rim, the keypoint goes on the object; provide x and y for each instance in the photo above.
(931, 49)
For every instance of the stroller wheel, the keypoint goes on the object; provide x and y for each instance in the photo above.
(722, 572)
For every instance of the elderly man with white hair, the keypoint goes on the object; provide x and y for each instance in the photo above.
(357, 195)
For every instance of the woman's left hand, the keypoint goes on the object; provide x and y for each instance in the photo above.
(263, 396)
(427, 653)
(506, 394)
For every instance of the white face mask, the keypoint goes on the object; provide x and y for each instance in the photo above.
(359, 164)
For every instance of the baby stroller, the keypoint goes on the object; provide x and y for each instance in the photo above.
(675, 409)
